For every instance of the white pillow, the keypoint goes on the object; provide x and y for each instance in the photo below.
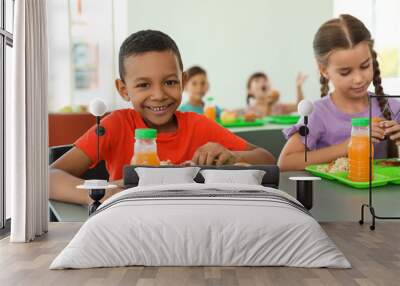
(248, 177)
(166, 176)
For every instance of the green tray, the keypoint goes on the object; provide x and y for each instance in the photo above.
(282, 119)
(240, 122)
(382, 176)
(393, 172)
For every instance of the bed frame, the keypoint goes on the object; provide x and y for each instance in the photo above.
(270, 179)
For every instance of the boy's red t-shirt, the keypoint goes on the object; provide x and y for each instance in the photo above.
(116, 145)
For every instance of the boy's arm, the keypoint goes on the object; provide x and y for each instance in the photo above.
(222, 145)
(213, 153)
(292, 155)
(64, 177)
(254, 155)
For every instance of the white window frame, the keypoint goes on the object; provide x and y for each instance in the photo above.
(6, 39)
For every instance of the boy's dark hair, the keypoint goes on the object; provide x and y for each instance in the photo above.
(146, 41)
(195, 70)
(250, 80)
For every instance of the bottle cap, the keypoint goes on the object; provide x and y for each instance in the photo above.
(145, 133)
(361, 121)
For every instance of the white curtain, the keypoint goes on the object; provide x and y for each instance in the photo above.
(27, 123)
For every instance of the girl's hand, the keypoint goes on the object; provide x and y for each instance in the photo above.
(344, 146)
(377, 132)
(392, 129)
(300, 79)
(214, 154)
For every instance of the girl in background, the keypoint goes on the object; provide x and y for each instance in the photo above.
(343, 48)
(264, 101)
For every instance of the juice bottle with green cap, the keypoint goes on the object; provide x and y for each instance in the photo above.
(358, 151)
(210, 110)
(145, 149)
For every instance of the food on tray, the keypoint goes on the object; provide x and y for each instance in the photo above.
(250, 116)
(169, 163)
(389, 163)
(166, 163)
(339, 165)
(228, 117)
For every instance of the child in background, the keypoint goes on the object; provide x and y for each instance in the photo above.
(264, 101)
(343, 48)
(152, 79)
(196, 88)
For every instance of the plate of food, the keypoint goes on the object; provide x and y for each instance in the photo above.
(231, 119)
(339, 168)
(393, 162)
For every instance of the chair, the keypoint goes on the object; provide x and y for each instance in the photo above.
(59, 211)
(98, 172)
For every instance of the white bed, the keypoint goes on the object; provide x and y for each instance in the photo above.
(203, 225)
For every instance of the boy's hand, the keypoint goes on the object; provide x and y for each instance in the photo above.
(118, 183)
(214, 154)
(391, 129)
(187, 163)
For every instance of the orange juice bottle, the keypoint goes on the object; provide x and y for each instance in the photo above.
(358, 151)
(145, 149)
(210, 110)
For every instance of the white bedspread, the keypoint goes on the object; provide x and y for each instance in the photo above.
(205, 230)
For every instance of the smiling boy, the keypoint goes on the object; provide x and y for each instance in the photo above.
(151, 78)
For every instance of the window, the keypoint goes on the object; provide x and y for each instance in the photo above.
(6, 43)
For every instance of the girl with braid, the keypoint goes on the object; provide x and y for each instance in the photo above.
(344, 52)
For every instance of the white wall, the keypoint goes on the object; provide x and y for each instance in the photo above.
(104, 22)
(362, 9)
(59, 55)
(233, 39)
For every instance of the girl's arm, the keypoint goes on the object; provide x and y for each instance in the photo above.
(287, 108)
(292, 155)
(301, 78)
(255, 155)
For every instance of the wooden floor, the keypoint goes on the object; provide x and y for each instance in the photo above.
(374, 255)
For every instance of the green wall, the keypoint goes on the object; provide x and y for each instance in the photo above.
(232, 39)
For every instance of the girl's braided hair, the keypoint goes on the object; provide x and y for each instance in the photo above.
(346, 32)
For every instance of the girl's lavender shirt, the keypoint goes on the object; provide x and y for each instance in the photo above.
(329, 126)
